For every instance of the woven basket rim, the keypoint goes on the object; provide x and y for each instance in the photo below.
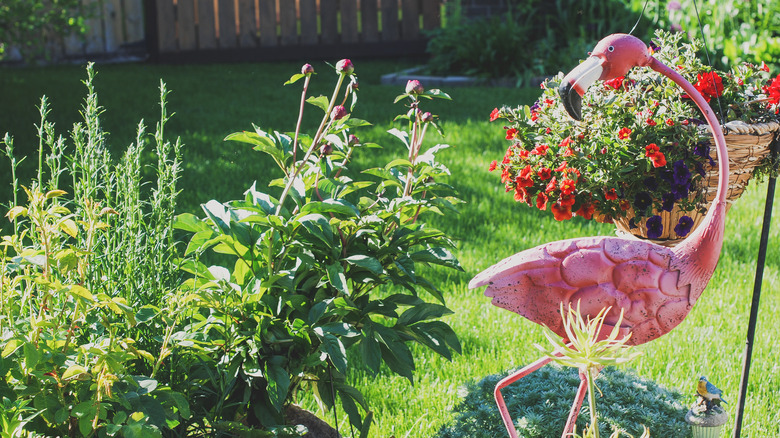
(739, 127)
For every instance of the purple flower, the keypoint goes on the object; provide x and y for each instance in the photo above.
(667, 203)
(702, 149)
(681, 176)
(674, 5)
(651, 184)
(684, 226)
(535, 106)
(642, 200)
(654, 227)
(654, 47)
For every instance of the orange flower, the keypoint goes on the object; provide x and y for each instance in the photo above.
(567, 186)
(560, 213)
(624, 133)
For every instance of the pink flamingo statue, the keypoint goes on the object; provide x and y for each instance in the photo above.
(654, 285)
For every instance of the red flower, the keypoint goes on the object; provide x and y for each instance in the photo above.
(495, 114)
(624, 133)
(651, 150)
(520, 194)
(610, 195)
(345, 67)
(510, 133)
(552, 185)
(560, 213)
(540, 149)
(568, 152)
(549, 102)
(659, 160)
(505, 176)
(670, 122)
(764, 66)
(493, 166)
(650, 121)
(625, 205)
(709, 85)
(534, 116)
(544, 173)
(773, 90)
(568, 186)
(567, 200)
(524, 178)
(586, 211)
(523, 154)
(615, 83)
(562, 167)
(541, 201)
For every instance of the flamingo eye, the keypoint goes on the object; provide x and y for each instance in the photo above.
(611, 48)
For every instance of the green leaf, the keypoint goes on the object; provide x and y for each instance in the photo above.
(318, 226)
(200, 241)
(437, 336)
(31, 355)
(394, 352)
(262, 142)
(435, 92)
(336, 206)
(366, 262)
(69, 227)
(190, 222)
(356, 123)
(74, 371)
(438, 256)
(422, 312)
(145, 384)
(80, 291)
(146, 314)
(321, 102)
(295, 78)
(339, 328)
(337, 278)
(370, 352)
(11, 346)
(278, 381)
(401, 135)
(398, 162)
(16, 212)
(332, 346)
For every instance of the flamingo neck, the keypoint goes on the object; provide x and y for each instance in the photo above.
(709, 115)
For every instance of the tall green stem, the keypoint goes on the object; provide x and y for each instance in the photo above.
(594, 423)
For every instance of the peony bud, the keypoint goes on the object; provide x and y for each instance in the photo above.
(414, 87)
(426, 117)
(338, 113)
(326, 149)
(307, 69)
(353, 139)
(345, 67)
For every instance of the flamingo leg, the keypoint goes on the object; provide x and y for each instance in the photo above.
(575, 407)
(508, 380)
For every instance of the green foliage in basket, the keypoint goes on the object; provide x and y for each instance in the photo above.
(639, 145)
(539, 404)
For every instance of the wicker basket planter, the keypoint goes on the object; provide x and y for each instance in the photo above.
(747, 144)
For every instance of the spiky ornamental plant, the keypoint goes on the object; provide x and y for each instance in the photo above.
(588, 350)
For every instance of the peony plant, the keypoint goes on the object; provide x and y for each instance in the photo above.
(639, 149)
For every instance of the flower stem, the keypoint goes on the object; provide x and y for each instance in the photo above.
(300, 117)
(594, 423)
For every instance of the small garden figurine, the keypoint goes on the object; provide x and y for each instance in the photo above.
(708, 393)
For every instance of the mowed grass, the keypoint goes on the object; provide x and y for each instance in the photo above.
(211, 101)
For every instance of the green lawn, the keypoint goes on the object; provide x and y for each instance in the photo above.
(211, 101)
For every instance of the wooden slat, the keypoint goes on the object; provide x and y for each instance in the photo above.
(133, 16)
(329, 21)
(94, 39)
(166, 26)
(308, 12)
(349, 21)
(227, 23)
(410, 20)
(268, 23)
(113, 23)
(390, 30)
(185, 23)
(431, 10)
(369, 17)
(207, 28)
(288, 23)
(247, 26)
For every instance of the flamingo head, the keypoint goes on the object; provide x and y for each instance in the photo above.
(613, 56)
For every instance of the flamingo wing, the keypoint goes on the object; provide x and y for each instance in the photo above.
(596, 272)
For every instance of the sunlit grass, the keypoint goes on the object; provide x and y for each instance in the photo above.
(213, 101)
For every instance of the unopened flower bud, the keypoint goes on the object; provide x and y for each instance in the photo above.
(345, 67)
(353, 139)
(326, 149)
(426, 117)
(355, 85)
(338, 113)
(307, 69)
(414, 87)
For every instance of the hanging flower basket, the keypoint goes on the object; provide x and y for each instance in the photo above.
(641, 158)
(748, 145)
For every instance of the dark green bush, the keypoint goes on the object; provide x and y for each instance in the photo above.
(540, 404)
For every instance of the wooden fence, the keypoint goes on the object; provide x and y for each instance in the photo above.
(113, 27)
(215, 30)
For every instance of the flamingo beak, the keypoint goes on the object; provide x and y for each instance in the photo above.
(578, 80)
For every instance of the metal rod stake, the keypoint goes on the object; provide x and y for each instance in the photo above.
(761, 260)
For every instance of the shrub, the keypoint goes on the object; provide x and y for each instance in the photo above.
(328, 258)
(540, 403)
(75, 333)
